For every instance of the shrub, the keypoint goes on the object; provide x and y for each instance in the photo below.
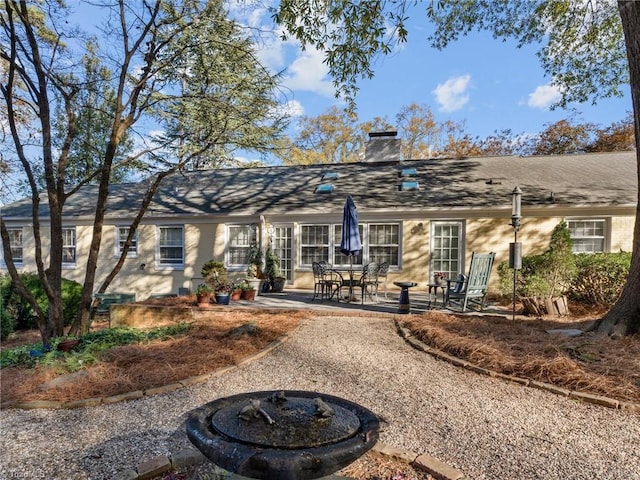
(7, 323)
(600, 278)
(546, 275)
(21, 311)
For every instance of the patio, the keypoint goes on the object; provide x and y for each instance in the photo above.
(420, 301)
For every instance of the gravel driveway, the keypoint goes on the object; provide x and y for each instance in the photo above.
(485, 427)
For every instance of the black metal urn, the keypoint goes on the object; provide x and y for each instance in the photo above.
(282, 435)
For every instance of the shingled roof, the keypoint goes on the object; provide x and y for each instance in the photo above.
(590, 180)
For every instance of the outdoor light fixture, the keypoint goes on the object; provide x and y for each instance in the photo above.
(516, 209)
(515, 247)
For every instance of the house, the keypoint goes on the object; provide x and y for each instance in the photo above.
(421, 216)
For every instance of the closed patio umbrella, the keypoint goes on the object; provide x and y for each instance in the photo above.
(350, 243)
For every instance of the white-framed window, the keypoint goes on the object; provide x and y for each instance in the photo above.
(121, 237)
(588, 235)
(447, 249)
(314, 244)
(241, 239)
(170, 251)
(384, 243)
(380, 243)
(16, 245)
(69, 247)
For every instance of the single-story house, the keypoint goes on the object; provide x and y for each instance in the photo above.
(422, 216)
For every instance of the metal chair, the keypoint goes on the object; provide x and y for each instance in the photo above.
(318, 281)
(383, 272)
(369, 281)
(333, 281)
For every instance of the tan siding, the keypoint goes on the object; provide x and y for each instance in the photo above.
(622, 233)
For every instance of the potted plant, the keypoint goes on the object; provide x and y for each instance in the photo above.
(236, 291)
(215, 275)
(204, 293)
(440, 278)
(254, 268)
(272, 271)
(248, 291)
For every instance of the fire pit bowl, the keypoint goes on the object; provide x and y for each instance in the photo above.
(283, 435)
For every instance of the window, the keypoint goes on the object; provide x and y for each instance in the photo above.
(171, 246)
(121, 237)
(314, 243)
(69, 246)
(446, 248)
(588, 236)
(241, 238)
(384, 243)
(324, 188)
(15, 243)
(380, 243)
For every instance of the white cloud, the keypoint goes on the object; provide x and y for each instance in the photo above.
(292, 108)
(544, 96)
(308, 72)
(452, 94)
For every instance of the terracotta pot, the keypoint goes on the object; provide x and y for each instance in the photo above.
(248, 295)
(236, 294)
(203, 299)
(68, 345)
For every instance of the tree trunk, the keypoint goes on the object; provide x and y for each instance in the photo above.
(624, 316)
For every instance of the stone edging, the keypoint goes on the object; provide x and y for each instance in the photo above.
(188, 457)
(601, 400)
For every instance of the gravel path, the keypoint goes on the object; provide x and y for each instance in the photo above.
(485, 427)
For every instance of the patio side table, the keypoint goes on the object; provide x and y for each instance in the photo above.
(404, 305)
(435, 287)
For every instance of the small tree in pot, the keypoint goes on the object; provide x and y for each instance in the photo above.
(272, 271)
(215, 275)
(254, 269)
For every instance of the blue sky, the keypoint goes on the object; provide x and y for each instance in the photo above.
(486, 83)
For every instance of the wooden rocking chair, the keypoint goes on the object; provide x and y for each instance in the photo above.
(471, 289)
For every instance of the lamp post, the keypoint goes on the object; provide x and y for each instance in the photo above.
(515, 248)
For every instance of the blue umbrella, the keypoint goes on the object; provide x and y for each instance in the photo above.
(350, 243)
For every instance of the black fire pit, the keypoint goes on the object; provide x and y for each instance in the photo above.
(282, 435)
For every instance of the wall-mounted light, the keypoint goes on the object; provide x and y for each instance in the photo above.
(143, 266)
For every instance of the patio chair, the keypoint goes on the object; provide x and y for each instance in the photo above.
(472, 288)
(383, 272)
(318, 281)
(368, 282)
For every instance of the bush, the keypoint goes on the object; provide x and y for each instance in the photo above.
(547, 275)
(600, 278)
(21, 311)
(7, 323)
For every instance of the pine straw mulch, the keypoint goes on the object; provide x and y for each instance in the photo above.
(209, 345)
(585, 363)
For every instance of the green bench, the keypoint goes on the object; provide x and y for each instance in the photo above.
(108, 299)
